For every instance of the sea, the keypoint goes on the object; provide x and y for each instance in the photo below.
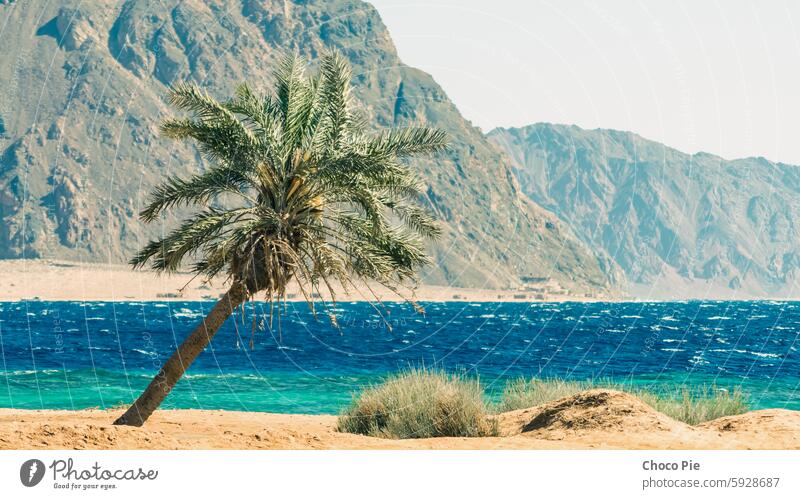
(291, 359)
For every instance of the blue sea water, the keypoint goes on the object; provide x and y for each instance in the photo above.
(73, 355)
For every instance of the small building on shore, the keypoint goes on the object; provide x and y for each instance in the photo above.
(542, 285)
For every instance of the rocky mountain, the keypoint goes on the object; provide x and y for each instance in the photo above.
(83, 87)
(673, 224)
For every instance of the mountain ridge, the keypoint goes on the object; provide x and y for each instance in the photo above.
(503, 129)
(674, 224)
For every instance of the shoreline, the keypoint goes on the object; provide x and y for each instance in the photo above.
(67, 281)
(597, 419)
(54, 280)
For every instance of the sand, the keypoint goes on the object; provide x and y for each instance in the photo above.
(596, 419)
(74, 281)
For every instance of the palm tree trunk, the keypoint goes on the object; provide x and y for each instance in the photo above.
(173, 369)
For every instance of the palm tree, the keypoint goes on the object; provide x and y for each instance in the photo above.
(298, 190)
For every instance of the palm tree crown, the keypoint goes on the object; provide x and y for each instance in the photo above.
(308, 193)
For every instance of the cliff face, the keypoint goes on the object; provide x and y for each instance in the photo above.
(83, 92)
(676, 225)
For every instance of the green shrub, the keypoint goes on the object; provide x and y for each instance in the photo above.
(420, 403)
(696, 405)
(690, 405)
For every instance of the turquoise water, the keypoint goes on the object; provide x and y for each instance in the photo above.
(75, 355)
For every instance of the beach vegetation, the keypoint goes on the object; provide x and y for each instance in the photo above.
(420, 403)
(692, 405)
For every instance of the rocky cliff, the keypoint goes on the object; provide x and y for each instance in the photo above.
(83, 92)
(673, 224)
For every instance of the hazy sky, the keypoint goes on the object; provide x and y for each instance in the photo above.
(721, 76)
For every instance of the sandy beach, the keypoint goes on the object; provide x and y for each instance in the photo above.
(53, 280)
(596, 419)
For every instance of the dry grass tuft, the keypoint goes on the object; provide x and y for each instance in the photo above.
(420, 403)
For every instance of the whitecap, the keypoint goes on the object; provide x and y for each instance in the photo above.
(187, 313)
(765, 355)
(31, 371)
(144, 352)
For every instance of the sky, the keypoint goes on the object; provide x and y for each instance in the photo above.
(720, 76)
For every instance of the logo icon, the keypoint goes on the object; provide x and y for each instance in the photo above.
(31, 472)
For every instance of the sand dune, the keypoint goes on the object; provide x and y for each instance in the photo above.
(604, 419)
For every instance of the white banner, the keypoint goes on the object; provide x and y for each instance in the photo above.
(401, 474)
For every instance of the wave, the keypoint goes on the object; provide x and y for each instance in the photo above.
(28, 372)
(144, 352)
(698, 360)
(765, 355)
(186, 313)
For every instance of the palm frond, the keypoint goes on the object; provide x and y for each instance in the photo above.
(403, 142)
(167, 254)
(334, 84)
(197, 190)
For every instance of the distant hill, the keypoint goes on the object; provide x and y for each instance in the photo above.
(674, 224)
(83, 86)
